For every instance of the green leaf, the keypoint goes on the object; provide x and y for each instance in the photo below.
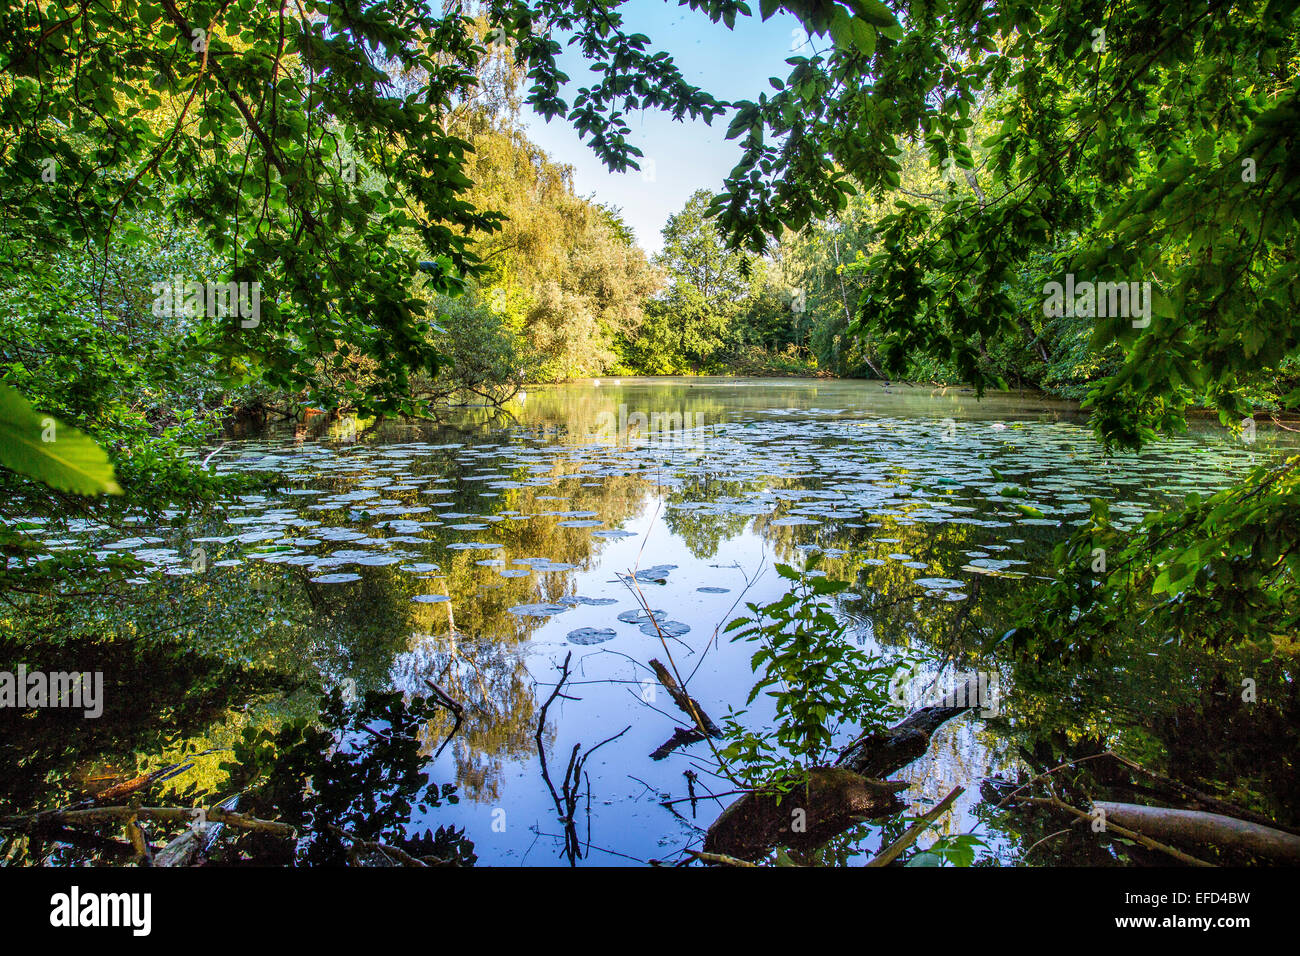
(43, 448)
(874, 12)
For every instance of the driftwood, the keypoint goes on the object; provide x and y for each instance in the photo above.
(835, 798)
(1201, 827)
(687, 703)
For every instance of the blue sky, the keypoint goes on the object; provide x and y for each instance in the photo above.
(679, 157)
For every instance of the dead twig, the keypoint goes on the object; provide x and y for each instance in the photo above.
(719, 859)
(451, 704)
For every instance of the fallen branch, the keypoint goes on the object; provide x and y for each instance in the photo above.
(1199, 826)
(1207, 801)
(685, 701)
(193, 845)
(212, 453)
(895, 849)
(451, 704)
(128, 787)
(719, 859)
(566, 799)
(1057, 803)
(444, 698)
(392, 855)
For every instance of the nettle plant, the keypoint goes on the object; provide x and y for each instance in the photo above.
(820, 681)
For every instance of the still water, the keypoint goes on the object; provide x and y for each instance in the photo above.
(478, 553)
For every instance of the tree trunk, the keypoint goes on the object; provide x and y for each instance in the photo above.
(1201, 827)
(835, 798)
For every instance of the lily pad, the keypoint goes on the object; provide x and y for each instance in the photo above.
(538, 610)
(592, 635)
(667, 628)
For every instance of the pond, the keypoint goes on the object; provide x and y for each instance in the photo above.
(478, 553)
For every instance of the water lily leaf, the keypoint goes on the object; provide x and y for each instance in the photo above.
(592, 635)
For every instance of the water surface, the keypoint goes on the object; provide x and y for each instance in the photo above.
(479, 553)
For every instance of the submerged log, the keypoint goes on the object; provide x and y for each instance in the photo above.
(1201, 827)
(836, 797)
(878, 755)
(829, 802)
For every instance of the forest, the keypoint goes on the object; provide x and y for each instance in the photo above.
(978, 368)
